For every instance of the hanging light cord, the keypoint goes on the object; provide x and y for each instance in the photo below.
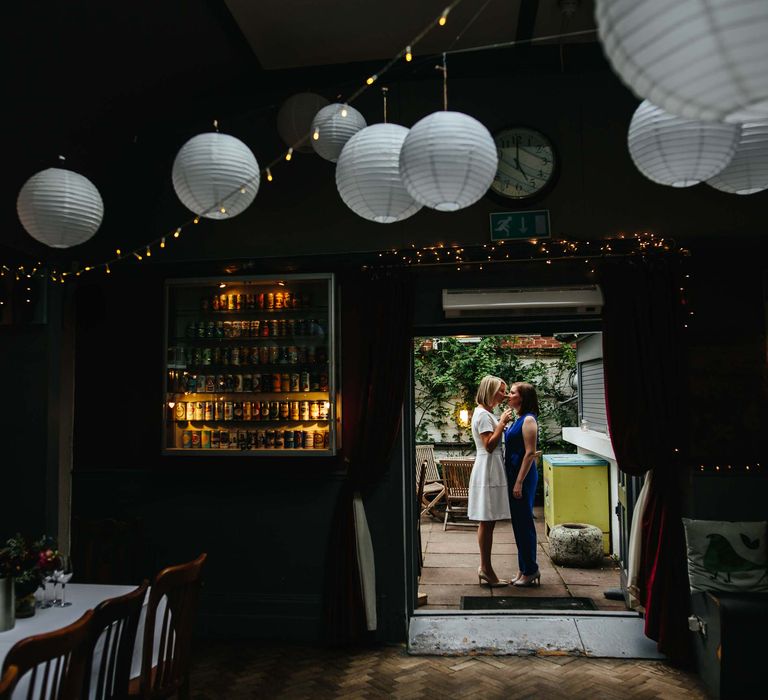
(469, 24)
(384, 92)
(444, 69)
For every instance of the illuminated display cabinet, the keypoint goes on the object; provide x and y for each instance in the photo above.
(251, 366)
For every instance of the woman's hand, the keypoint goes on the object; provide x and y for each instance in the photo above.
(517, 490)
(506, 417)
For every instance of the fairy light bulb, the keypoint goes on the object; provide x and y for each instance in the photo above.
(344, 112)
(149, 252)
(289, 155)
(196, 220)
(162, 242)
(138, 257)
(269, 175)
(109, 272)
(408, 54)
(444, 17)
(223, 210)
(372, 80)
(316, 134)
(118, 252)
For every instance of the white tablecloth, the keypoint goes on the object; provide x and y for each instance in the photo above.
(83, 596)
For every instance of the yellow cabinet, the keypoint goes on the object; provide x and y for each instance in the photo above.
(576, 490)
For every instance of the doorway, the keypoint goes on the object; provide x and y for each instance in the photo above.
(446, 372)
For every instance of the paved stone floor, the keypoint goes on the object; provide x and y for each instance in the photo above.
(451, 559)
(230, 671)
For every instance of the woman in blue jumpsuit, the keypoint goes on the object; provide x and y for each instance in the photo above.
(520, 464)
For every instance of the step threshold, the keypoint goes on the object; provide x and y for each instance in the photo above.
(596, 634)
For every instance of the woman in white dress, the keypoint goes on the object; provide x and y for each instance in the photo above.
(488, 497)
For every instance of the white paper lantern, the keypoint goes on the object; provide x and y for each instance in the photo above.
(368, 175)
(294, 119)
(60, 208)
(701, 59)
(215, 175)
(747, 172)
(448, 161)
(334, 126)
(679, 152)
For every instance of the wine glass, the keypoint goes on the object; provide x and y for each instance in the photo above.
(48, 578)
(63, 576)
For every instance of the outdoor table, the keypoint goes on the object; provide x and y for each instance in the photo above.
(83, 596)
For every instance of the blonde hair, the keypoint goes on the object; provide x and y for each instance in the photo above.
(486, 392)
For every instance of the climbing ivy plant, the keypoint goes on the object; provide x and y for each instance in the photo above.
(447, 375)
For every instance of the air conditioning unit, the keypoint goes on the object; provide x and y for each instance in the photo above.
(585, 300)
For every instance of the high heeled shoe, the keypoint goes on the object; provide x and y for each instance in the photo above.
(525, 581)
(482, 577)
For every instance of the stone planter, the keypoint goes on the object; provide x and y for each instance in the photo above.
(576, 544)
(7, 604)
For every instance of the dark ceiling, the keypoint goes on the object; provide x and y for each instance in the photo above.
(117, 88)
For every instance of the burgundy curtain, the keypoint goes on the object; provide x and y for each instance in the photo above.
(376, 318)
(645, 384)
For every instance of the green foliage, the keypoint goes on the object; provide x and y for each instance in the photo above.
(447, 378)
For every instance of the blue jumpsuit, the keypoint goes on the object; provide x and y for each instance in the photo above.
(522, 508)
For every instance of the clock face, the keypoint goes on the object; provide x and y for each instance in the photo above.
(526, 163)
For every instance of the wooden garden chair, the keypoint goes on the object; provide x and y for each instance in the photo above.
(434, 488)
(456, 474)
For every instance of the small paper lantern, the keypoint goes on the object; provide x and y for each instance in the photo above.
(448, 161)
(679, 152)
(368, 175)
(747, 172)
(215, 175)
(60, 208)
(700, 59)
(294, 119)
(334, 125)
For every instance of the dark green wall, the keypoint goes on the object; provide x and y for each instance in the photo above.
(265, 522)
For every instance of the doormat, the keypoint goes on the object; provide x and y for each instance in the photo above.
(526, 603)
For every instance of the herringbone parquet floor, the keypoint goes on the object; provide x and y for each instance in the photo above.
(245, 670)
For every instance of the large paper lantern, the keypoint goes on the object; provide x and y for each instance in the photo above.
(215, 175)
(747, 172)
(368, 175)
(60, 208)
(701, 59)
(679, 152)
(294, 119)
(333, 126)
(448, 161)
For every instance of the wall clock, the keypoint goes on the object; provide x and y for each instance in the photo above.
(527, 163)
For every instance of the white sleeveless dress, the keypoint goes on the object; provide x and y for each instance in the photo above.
(488, 495)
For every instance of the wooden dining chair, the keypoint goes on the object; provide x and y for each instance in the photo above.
(55, 661)
(168, 675)
(115, 621)
(8, 682)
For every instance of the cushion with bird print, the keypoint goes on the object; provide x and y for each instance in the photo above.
(727, 556)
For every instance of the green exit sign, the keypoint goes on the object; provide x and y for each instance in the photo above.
(511, 225)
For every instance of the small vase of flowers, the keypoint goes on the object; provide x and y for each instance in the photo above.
(27, 562)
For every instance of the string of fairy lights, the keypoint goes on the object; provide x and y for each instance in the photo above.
(752, 468)
(589, 252)
(145, 250)
(22, 272)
